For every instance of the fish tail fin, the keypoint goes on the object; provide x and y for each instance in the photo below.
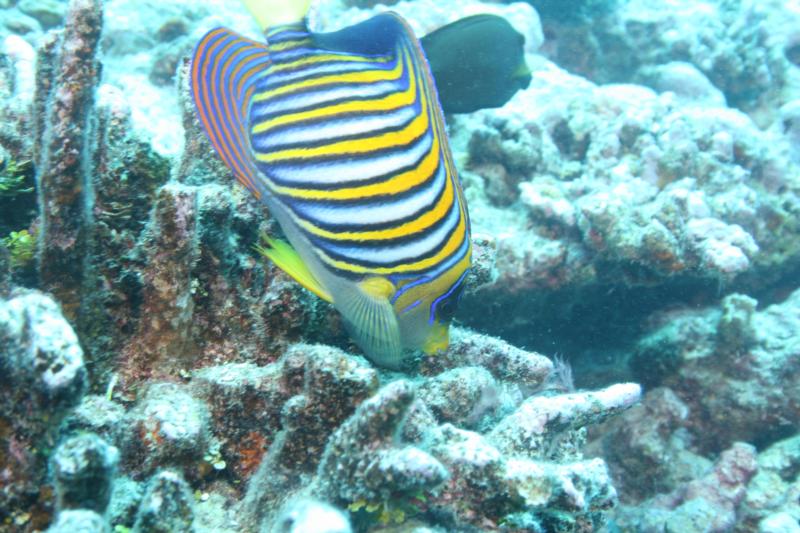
(224, 69)
(269, 13)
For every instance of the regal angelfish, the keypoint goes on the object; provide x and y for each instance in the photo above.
(342, 136)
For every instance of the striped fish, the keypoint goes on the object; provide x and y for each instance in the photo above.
(342, 137)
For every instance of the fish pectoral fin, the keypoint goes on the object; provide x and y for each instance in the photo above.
(371, 320)
(287, 259)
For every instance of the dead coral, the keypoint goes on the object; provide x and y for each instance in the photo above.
(66, 81)
(334, 383)
(42, 375)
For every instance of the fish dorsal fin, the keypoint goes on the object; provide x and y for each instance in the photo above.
(371, 320)
(287, 259)
(270, 13)
(375, 36)
(224, 70)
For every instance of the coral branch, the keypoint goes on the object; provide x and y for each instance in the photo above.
(64, 182)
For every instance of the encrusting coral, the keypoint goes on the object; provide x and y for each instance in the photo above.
(340, 441)
(67, 73)
(43, 375)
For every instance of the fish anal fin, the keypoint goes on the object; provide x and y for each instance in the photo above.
(438, 339)
(371, 320)
(287, 259)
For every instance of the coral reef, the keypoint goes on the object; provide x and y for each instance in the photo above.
(335, 438)
(17, 173)
(166, 428)
(733, 44)
(708, 503)
(748, 357)
(5, 271)
(502, 477)
(698, 179)
(114, 263)
(43, 375)
(83, 469)
(62, 151)
(724, 374)
(167, 505)
(80, 520)
(607, 202)
(331, 386)
(771, 503)
(635, 214)
(366, 468)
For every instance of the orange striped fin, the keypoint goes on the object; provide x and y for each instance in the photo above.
(224, 70)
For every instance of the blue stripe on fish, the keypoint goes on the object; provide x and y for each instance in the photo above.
(224, 70)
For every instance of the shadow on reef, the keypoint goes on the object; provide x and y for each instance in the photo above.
(596, 327)
(597, 320)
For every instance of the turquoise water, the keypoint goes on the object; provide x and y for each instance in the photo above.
(179, 353)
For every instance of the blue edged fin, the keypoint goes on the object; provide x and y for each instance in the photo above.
(224, 69)
(287, 259)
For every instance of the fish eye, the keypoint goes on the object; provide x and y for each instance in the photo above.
(446, 307)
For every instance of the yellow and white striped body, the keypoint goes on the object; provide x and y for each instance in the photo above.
(346, 144)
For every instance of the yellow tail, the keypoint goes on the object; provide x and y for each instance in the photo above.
(270, 13)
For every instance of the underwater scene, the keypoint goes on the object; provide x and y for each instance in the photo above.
(427, 266)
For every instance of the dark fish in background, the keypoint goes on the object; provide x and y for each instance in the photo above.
(478, 62)
(342, 137)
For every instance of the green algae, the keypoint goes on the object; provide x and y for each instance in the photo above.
(21, 246)
(14, 178)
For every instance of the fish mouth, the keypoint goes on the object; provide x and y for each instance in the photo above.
(522, 75)
(524, 80)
